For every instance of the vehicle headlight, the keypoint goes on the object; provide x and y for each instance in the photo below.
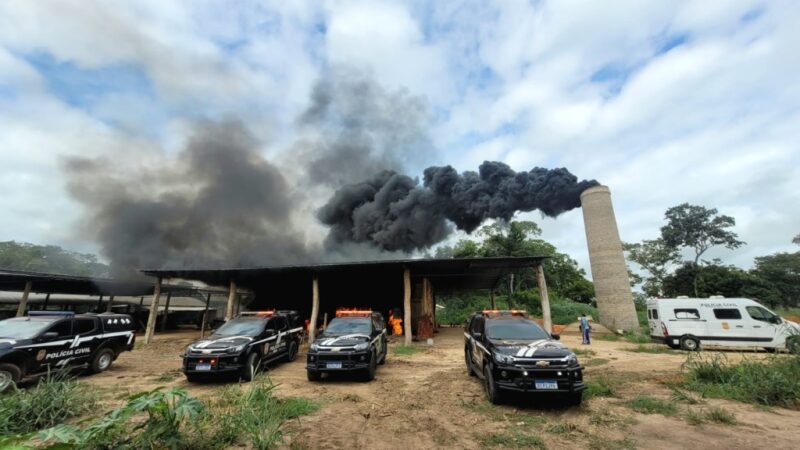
(503, 359)
(572, 361)
(236, 349)
(314, 347)
(362, 346)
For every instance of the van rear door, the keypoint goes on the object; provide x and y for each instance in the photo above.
(654, 322)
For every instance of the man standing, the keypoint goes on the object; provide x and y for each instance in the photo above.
(585, 328)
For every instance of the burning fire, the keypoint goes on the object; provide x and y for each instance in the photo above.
(395, 324)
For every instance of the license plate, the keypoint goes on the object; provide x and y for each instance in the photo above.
(546, 384)
(333, 365)
(203, 367)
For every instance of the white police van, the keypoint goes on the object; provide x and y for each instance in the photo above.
(688, 323)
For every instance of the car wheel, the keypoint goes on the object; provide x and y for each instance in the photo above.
(9, 376)
(468, 361)
(793, 345)
(313, 375)
(373, 367)
(575, 398)
(770, 349)
(291, 354)
(690, 344)
(489, 386)
(383, 357)
(251, 367)
(102, 360)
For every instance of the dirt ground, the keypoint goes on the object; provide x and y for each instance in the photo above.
(427, 400)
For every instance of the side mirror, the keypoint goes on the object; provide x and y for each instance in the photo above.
(271, 332)
(776, 320)
(556, 336)
(49, 336)
(477, 336)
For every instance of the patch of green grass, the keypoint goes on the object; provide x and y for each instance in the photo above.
(407, 350)
(646, 404)
(649, 349)
(583, 352)
(596, 362)
(50, 402)
(562, 427)
(772, 381)
(599, 443)
(695, 418)
(600, 386)
(719, 415)
(608, 337)
(512, 439)
(637, 338)
(685, 397)
(485, 409)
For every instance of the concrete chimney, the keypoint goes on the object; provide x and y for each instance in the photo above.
(609, 272)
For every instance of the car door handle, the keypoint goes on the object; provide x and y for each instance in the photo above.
(739, 326)
(756, 326)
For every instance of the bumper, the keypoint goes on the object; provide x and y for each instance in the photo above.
(513, 378)
(349, 361)
(221, 364)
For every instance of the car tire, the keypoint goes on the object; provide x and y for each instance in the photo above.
(10, 375)
(575, 398)
(369, 375)
(468, 362)
(250, 367)
(382, 361)
(793, 345)
(313, 375)
(493, 394)
(102, 360)
(690, 344)
(291, 352)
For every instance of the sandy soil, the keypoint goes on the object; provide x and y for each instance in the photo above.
(426, 400)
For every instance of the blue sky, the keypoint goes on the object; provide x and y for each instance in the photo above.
(666, 102)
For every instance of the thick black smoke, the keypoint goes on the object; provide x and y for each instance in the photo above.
(393, 212)
(218, 203)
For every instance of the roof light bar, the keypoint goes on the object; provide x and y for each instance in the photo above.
(507, 312)
(258, 313)
(353, 312)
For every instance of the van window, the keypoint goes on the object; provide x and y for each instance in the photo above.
(727, 313)
(654, 313)
(687, 313)
(759, 313)
(83, 326)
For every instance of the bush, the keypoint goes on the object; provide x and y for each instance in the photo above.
(772, 382)
(50, 402)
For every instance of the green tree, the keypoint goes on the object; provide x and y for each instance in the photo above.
(796, 240)
(49, 259)
(782, 272)
(656, 258)
(717, 279)
(698, 228)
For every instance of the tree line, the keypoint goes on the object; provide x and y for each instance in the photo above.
(663, 271)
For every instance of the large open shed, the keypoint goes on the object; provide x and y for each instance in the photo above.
(410, 285)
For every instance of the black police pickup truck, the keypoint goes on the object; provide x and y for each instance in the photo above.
(354, 341)
(510, 352)
(46, 341)
(244, 344)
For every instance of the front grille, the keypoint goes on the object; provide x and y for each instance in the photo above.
(210, 351)
(531, 363)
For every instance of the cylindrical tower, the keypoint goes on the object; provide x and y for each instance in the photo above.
(609, 272)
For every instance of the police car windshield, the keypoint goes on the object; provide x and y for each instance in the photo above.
(515, 330)
(338, 326)
(241, 327)
(22, 328)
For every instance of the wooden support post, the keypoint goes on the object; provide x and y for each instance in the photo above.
(231, 299)
(491, 296)
(407, 305)
(141, 302)
(325, 321)
(511, 290)
(23, 302)
(150, 328)
(312, 325)
(46, 301)
(204, 324)
(425, 324)
(100, 303)
(540, 280)
(166, 312)
(110, 303)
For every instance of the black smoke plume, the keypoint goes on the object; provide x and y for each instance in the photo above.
(393, 212)
(218, 203)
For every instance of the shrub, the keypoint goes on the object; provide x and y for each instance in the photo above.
(771, 382)
(51, 401)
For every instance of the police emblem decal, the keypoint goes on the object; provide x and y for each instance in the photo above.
(41, 354)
